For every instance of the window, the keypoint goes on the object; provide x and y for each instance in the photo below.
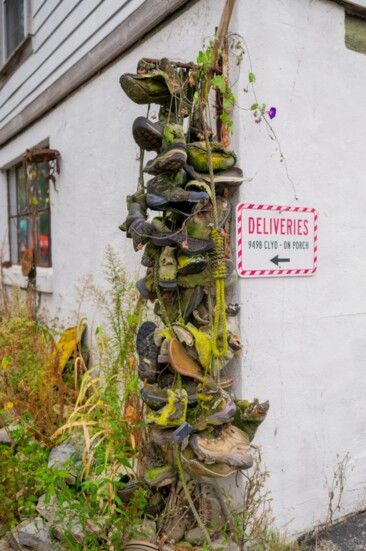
(15, 37)
(14, 23)
(29, 212)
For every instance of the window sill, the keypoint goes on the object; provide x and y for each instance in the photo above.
(14, 276)
(20, 54)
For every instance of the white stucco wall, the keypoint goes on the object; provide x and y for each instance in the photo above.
(305, 346)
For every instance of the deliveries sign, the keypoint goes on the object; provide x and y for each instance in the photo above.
(276, 241)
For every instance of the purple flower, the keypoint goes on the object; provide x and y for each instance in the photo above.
(271, 112)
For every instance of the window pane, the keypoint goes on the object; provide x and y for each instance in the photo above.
(44, 239)
(24, 234)
(13, 229)
(14, 24)
(43, 187)
(22, 194)
(12, 193)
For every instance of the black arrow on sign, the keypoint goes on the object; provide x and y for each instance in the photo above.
(277, 260)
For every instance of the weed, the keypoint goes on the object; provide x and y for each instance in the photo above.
(20, 465)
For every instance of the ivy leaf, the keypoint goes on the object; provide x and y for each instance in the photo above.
(254, 107)
(251, 77)
(227, 104)
(219, 81)
(227, 120)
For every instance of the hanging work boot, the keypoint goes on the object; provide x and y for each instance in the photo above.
(149, 255)
(230, 446)
(162, 83)
(179, 304)
(181, 362)
(173, 414)
(213, 408)
(164, 436)
(142, 232)
(173, 157)
(147, 352)
(249, 415)
(196, 467)
(164, 194)
(206, 276)
(178, 514)
(209, 509)
(157, 472)
(188, 265)
(222, 158)
(173, 134)
(146, 286)
(201, 223)
(168, 269)
(153, 87)
(231, 179)
(156, 397)
(174, 153)
(136, 206)
(148, 135)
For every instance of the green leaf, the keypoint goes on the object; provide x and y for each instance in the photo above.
(5, 362)
(251, 77)
(254, 107)
(228, 105)
(35, 200)
(201, 58)
(219, 81)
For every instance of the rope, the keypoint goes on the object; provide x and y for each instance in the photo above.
(189, 499)
(217, 261)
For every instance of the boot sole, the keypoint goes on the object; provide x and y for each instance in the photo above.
(147, 135)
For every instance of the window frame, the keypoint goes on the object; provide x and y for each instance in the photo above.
(26, 214)
(9, 64)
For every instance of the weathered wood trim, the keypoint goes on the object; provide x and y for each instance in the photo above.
(20, 54)
(354, 8)
(142, 21)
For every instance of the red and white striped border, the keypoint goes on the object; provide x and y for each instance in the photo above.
(258, 273)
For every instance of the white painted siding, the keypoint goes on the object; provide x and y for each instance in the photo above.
(63, 32)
